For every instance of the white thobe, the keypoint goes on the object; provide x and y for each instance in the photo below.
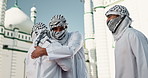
(131, 55)
(131, 52)
(72, 48)
(42, 67)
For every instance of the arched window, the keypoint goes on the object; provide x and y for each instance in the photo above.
(7, 33)
(29, 38)
(19, 36)
(11, 34)
(26, 37)
(22, 36)
(2, 29)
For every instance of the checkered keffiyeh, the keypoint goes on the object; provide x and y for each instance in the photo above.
(56, 21)
(39, 26)
(117, 10)
(40, 31)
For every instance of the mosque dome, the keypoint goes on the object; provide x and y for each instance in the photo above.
(14, 17)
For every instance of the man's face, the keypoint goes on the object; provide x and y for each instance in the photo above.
(109, 17)
(58, 29)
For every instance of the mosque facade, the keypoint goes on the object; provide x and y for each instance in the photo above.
(15, 40)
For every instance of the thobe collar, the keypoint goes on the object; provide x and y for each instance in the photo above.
(63, 41)
(121, 29)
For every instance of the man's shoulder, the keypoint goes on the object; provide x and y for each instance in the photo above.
(134, 33)
(75, 33)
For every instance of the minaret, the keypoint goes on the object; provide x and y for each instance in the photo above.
(16, 3)
(33, 14)
(89, 37)
(3, 4)
(102, 52)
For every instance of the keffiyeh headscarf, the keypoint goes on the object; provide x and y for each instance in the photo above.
(39, 31)
(120, 10)
(117, 10)
(56, 21)
(118, 25)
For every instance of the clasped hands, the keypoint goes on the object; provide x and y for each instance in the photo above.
(38, 52)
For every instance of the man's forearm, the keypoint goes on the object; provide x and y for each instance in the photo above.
(38, 52)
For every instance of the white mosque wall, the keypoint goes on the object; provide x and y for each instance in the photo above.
(143, 13)
(12, 64)
(5, 63)
(13, 50)
(138, 11)
(89, 38)
(2, 11)
(101, 43)
(110, 46)
(15, 40)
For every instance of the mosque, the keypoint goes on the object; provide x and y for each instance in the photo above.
(15, 39)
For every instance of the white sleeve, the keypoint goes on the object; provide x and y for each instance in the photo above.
(139, 47)
(65, 63)
(28, 56)
(56, 51)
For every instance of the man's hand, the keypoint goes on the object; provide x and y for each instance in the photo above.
(38, 52)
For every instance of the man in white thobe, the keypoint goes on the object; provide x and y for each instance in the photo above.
(42, 67)
(71, 46)
(131, 48)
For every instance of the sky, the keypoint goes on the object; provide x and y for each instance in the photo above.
(73, 11)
